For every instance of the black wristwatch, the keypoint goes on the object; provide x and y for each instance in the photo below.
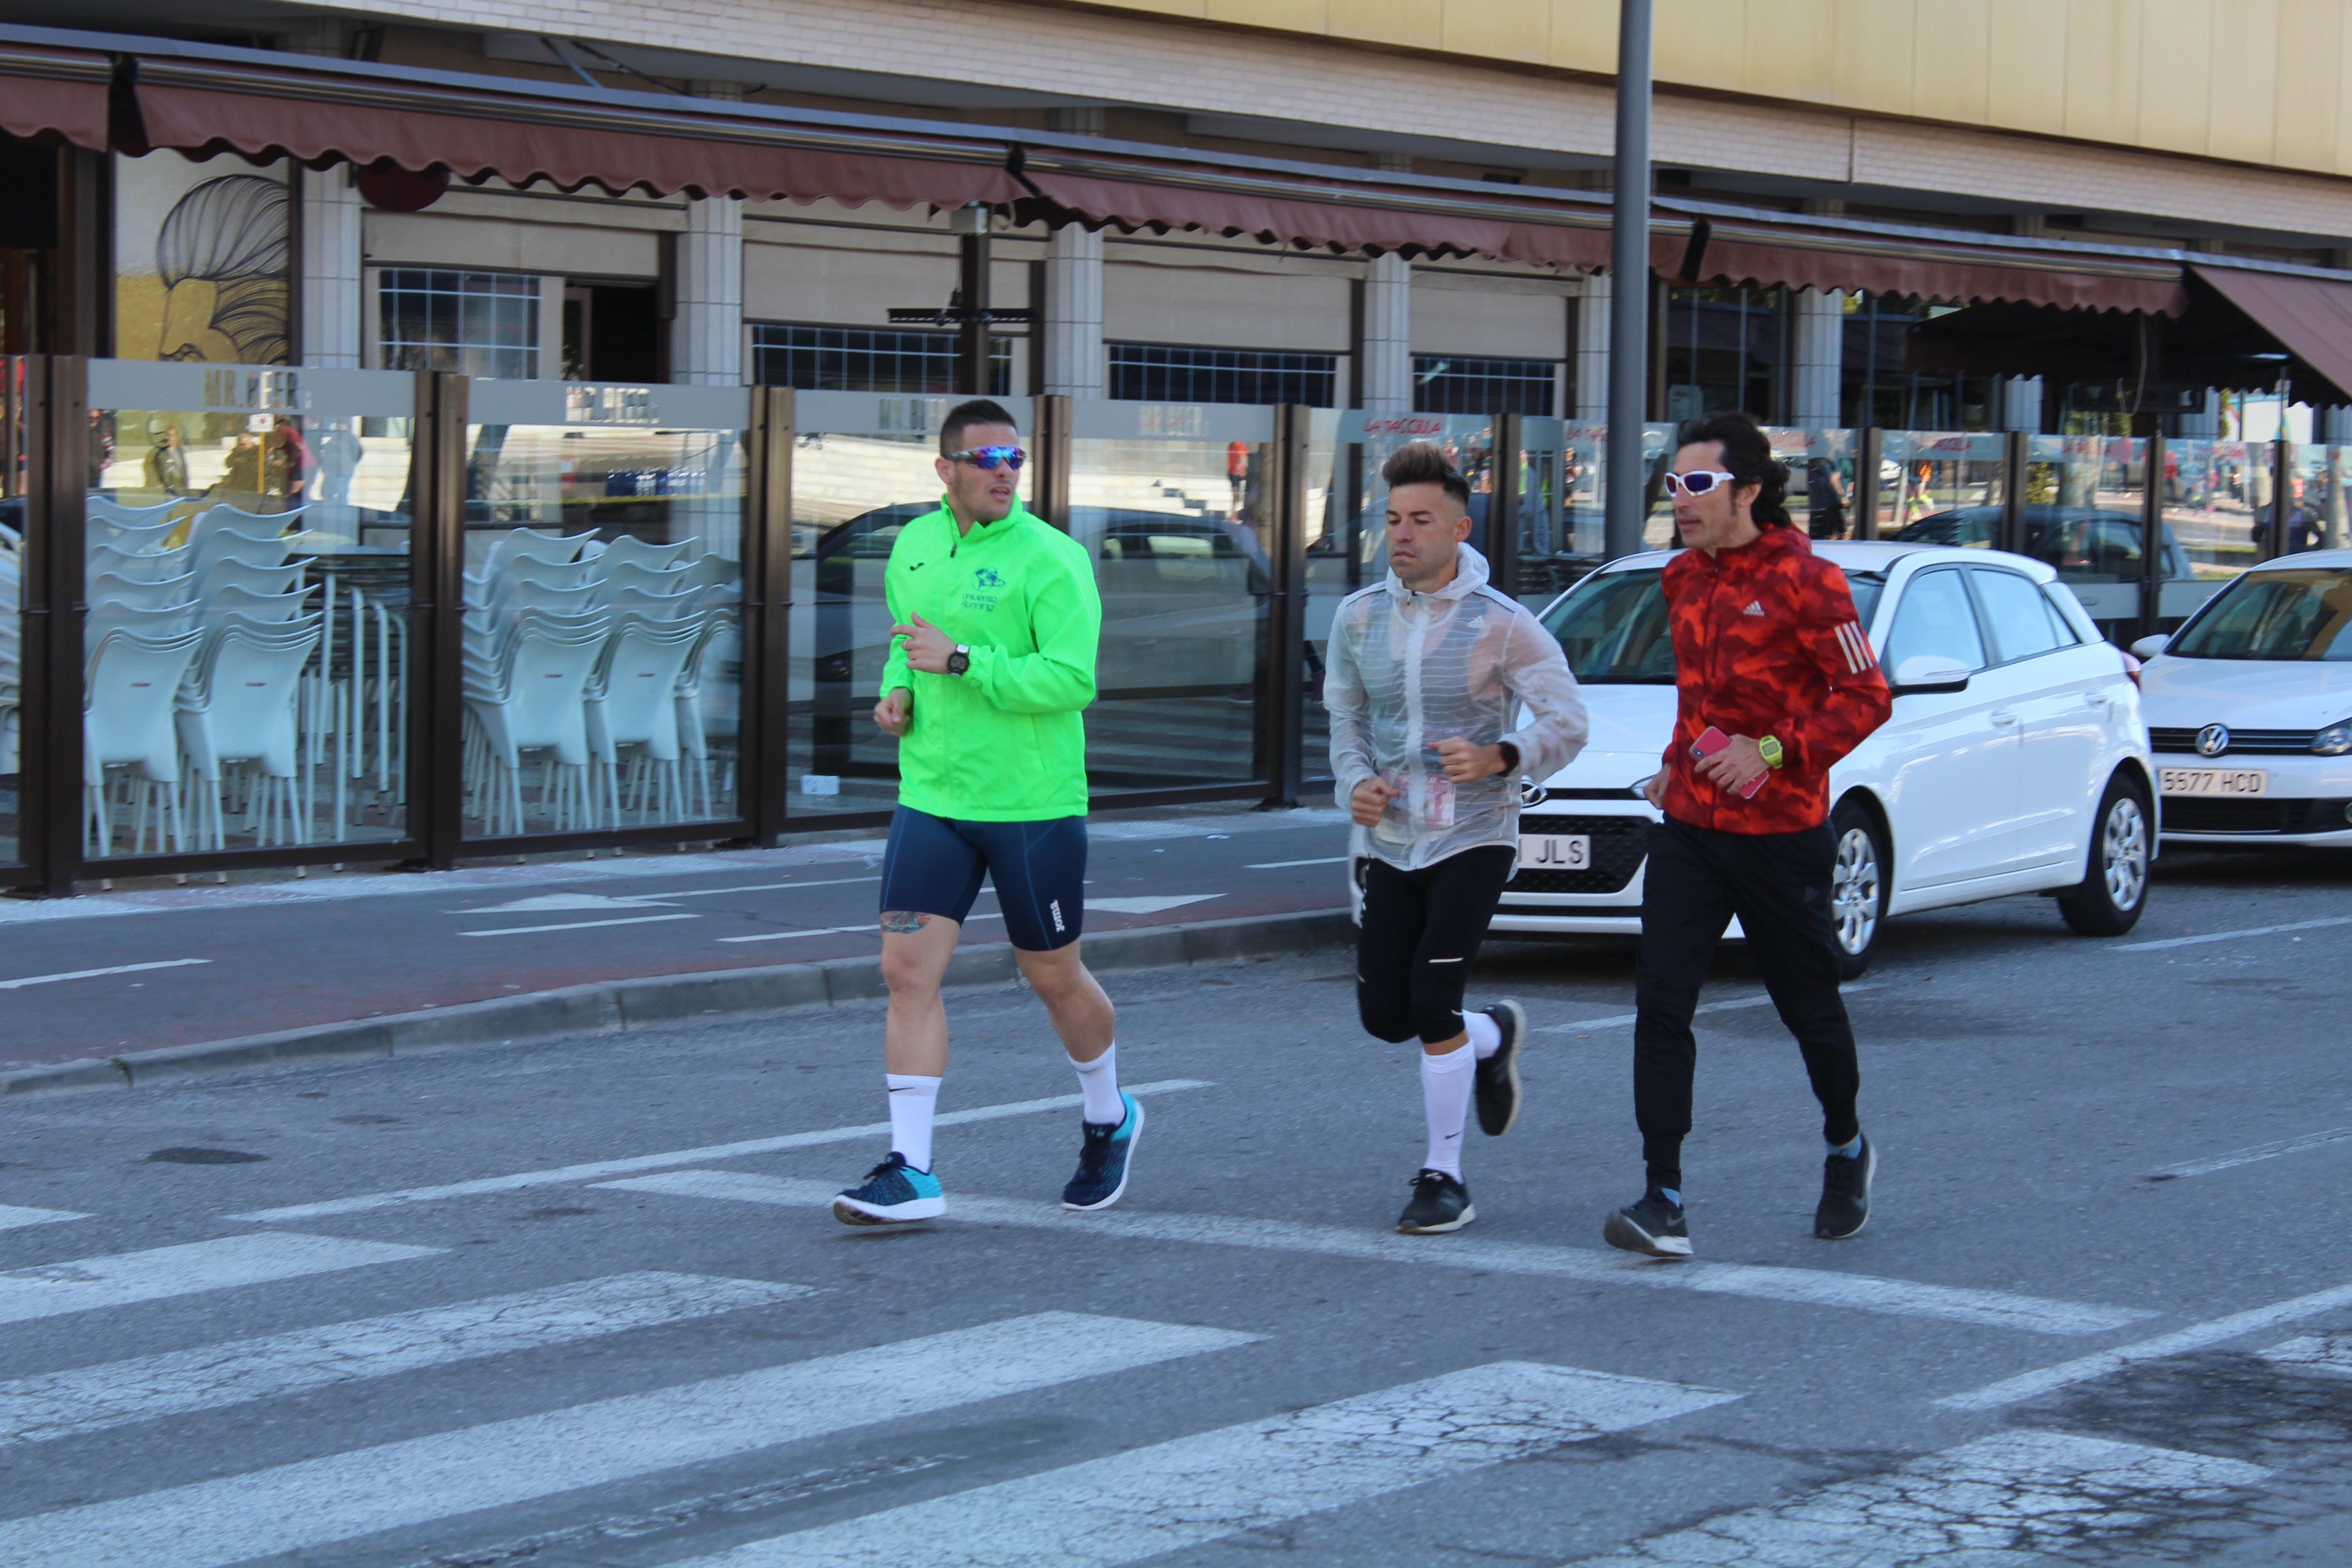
(1510, 756)
(960, 661)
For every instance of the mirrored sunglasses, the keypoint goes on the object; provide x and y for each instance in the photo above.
(991, 458)
(1697, 482)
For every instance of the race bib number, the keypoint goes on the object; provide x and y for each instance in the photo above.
(1436, 801)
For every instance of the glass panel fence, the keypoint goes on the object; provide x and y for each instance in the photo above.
(2083, 509)
(2315, 515)
(604, 584)
(14, 470)
(1821, 477)
(1333, 548)
(1944, 487)
(246, 572)
(1173, 504)
(1548, 551)
(2215, 499)
(864, 466)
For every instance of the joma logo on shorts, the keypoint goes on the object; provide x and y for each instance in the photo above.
(1055, 907)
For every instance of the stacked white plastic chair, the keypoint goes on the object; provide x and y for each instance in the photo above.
(128, 699)
(531, 644)
(239, 716)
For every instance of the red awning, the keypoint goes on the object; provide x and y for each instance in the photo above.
(520, 131)
(1884, 260)
(2311, 317)
(61, 93)
(1267, 202)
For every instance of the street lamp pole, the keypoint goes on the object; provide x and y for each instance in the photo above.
(1628, 282)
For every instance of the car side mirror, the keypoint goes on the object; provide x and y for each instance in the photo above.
(1925, 673)
(2149, 646)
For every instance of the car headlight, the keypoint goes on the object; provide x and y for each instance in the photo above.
(2334, 740)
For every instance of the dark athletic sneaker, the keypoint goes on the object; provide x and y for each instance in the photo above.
(1104, 1159)
(1846, 1194)
(894, 1193)
(1498, 1075)
(1652, 1226)
(1439, 1203)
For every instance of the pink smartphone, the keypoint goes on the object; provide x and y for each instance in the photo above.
(1712, 741)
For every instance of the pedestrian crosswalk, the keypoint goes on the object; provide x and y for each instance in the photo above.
(1096, 1498)
(12, 1217)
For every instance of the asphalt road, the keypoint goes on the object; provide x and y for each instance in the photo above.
(132, 971)
(2103, 1313)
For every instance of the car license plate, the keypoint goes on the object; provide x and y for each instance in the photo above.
(2231, 782)
(1555, 852)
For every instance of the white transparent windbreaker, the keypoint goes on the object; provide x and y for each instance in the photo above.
(1406, 670)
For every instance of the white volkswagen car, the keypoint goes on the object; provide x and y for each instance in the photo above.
(2250, 708)
(2015, 762)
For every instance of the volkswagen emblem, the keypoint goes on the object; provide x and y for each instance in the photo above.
(2213, 740)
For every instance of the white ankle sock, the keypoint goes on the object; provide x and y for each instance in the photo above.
(1486, 1035)
(912, 1102)
(1446, 1083)
(1099, 1082)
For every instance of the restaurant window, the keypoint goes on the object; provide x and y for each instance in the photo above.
(475, 323)
(1458, 383)
(1169, 372)
(864, 358)
(1725, 349)
(1880, 388)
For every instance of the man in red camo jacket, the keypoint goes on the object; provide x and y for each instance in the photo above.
(1775, 681)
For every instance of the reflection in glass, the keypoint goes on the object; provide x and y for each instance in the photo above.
(602, 624)
(13, 472)
(246, 575)
(2216, 503)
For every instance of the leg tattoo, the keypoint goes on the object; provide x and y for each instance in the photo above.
(903, 922)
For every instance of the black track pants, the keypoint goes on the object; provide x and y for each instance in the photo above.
(1779, 886)
(1422, 931)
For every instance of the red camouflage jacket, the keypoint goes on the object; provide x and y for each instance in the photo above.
(1766, 643)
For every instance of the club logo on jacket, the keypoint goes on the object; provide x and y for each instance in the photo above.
(981, 596)
(987, 577)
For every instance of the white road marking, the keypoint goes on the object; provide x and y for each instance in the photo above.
(1147, 906)
(564, 902)
(215, 1377)
(1285, 865)
(1820, 1288)
(95, 973)
(15, 1218)
(761, 888)
(871, 928)
(578, 925)
(88, 1283)
(2330, 1354)
(2248, 1156)
(1618, 1020)
(2230, 935)
(304, 1506)
(564, 1175)
(2003, 1499)
(1170, 1496)
(2197, 1336)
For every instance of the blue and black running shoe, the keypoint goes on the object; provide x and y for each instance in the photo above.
(1103, 1163)
(894, 1193)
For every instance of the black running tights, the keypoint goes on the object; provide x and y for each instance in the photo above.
(1422, 931)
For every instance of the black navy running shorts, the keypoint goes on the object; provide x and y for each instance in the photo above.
(934, 866)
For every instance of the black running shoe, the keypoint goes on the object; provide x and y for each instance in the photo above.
(1439, 1203)
(1654, 1226)
(1846, 1194)
(1498, 1075)
(1104, 1159)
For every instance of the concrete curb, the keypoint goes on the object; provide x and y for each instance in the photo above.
(612, 1007)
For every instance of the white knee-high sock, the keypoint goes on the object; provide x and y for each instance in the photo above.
(913, 1101)
(1099, 1082)
(1486, 1035)
(1446, 1083)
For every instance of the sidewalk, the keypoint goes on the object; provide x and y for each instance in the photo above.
(117, 974)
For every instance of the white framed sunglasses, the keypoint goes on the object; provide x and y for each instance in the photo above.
(1698, 482)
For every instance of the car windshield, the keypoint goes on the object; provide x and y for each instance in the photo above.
(2292, 613)
(1612, 625)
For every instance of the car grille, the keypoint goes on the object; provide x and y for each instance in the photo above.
(2192, 815)
(1618, 845)
(2243, 742)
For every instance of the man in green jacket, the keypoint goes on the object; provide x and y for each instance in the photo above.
(992, 662)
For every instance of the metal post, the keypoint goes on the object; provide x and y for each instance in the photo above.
(1052, 457)
(971, 331)
(1866, 482)
(2281, 486)
(766, 721)
(2151, 536)
(436, 565)
(1502, 504)
(1283, 720)
(1628, 294)
(57, 438)
(2012, 492)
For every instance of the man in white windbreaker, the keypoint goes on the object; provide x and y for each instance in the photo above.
(1425, 675)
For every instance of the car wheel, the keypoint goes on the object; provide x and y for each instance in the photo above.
(2107, 902)
(1857, 886)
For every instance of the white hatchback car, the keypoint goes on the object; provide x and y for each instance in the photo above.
(2015, 762)
(2250, 708)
